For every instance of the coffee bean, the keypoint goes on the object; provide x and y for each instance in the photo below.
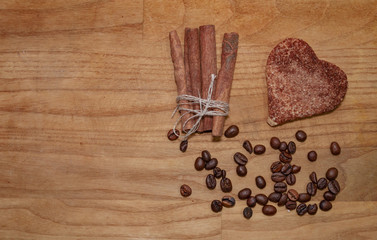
(325, 205)
(291, 179)
(185, 190)
(292, 195)
(226, 185)
(216, 206)
(322, 183)
(312, 156)
(304, 197)
(291, 205)
(199, 164)
(312, 208)
(280, 187)
(247, 146)
(173, 136)
(240, 159)
(276, 166)
(292, 147)
(261, 199)
(232, 131)
(335, 148)
(247, 212)
(301, 209)
(228, 201)
(244, 193)
(296, 169)
(211, 164)
(332, 173)
(274, 197)
(210, 181)
(286, 169)
(283, 199)
(223, 173)
(206, 156)
(241, 171)
(269, 210)
(183, 146)
(334, 187)
(217, 172)
(283, 146)
(277, 177)
(260, 182)
(311, 188)
(300, 136)
(251, 201)
(259, 149)
(285, 157)
(329, 196)
(275, 143)
(313, 177)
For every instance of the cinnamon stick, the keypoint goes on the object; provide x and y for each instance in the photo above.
(225, 78)
(190, 123)
(208, 65)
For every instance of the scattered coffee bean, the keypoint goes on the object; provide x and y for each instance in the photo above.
(296, 169)
(313, 177)
(329, 196)
(232, 131)
(274, 197)
(217, 172)
(244, 193)
(185, 190)
(280, 187)
(251, 201)
(277, 177)
(285, 157)
(206, 156)
(210, 181)
(247, 146)
(241, 170)
(311, 188)
(291, 205)
(292, 147)
(247, 212)
(260, 182)
(325, 205)
(261, 199)
(211, 164)
(223, 173)
(228, 201)
(291, 179)
(173, 136)
(292, 195)
(322, 183)
(300, 136)
(304, 197)
(183, 146)
(312, 156)
(301, 209)
(283, 146)
(276, 166)
(332, 173)
(334, 187)
(312, 208)
(240, 159)
(275, 143)
(283, 199)
(226, 185)
(286, 169)
(216, 206)
(269, 210)
(259, 149)
(199, 164)
(335, 148)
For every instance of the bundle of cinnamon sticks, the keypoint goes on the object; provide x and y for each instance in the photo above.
(193, 70)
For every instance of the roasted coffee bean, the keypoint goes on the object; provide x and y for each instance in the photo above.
(286, 169)
(261, 199)
(210, 181)
(329, 196)
(247, 146)
(259, 149)
(241, 171)
(280, 187)
(240, 159)
(304, 197)
(325, 205)
(335, 148)
(185, 190)
(312, 208)
(247, 212)
(312, 156)
(300, 136)
(206, 156)
(173, 136)
(269, 210)
(277, 177)
(311, 188)
(283, 199)
(251, 201)
(244, 193)
(313, 177)
(199, 164)
(301, 209)
(275, 143)
(216, 206)
(183, 146)
(228, 201)
(334, 187)
(332, 173)
(285, 157)
(217, 172)
(291, 179)
(223, 173)
(260, 182)
(211, 164)
(291, 205)
(292, 195)
(322, 183)
(226, 185)
(232, 131)
(292, 147)
(276, 166)
(283, 146)
(296, 169)
(274, 197)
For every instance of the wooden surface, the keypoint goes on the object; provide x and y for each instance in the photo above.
(86, 94)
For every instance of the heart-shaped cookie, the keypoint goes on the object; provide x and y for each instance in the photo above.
(299, 84)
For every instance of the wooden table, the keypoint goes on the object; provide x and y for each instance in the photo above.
(86, 94)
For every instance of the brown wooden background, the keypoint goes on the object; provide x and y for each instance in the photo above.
(86, 94)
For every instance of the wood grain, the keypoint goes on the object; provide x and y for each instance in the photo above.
(86, 93)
